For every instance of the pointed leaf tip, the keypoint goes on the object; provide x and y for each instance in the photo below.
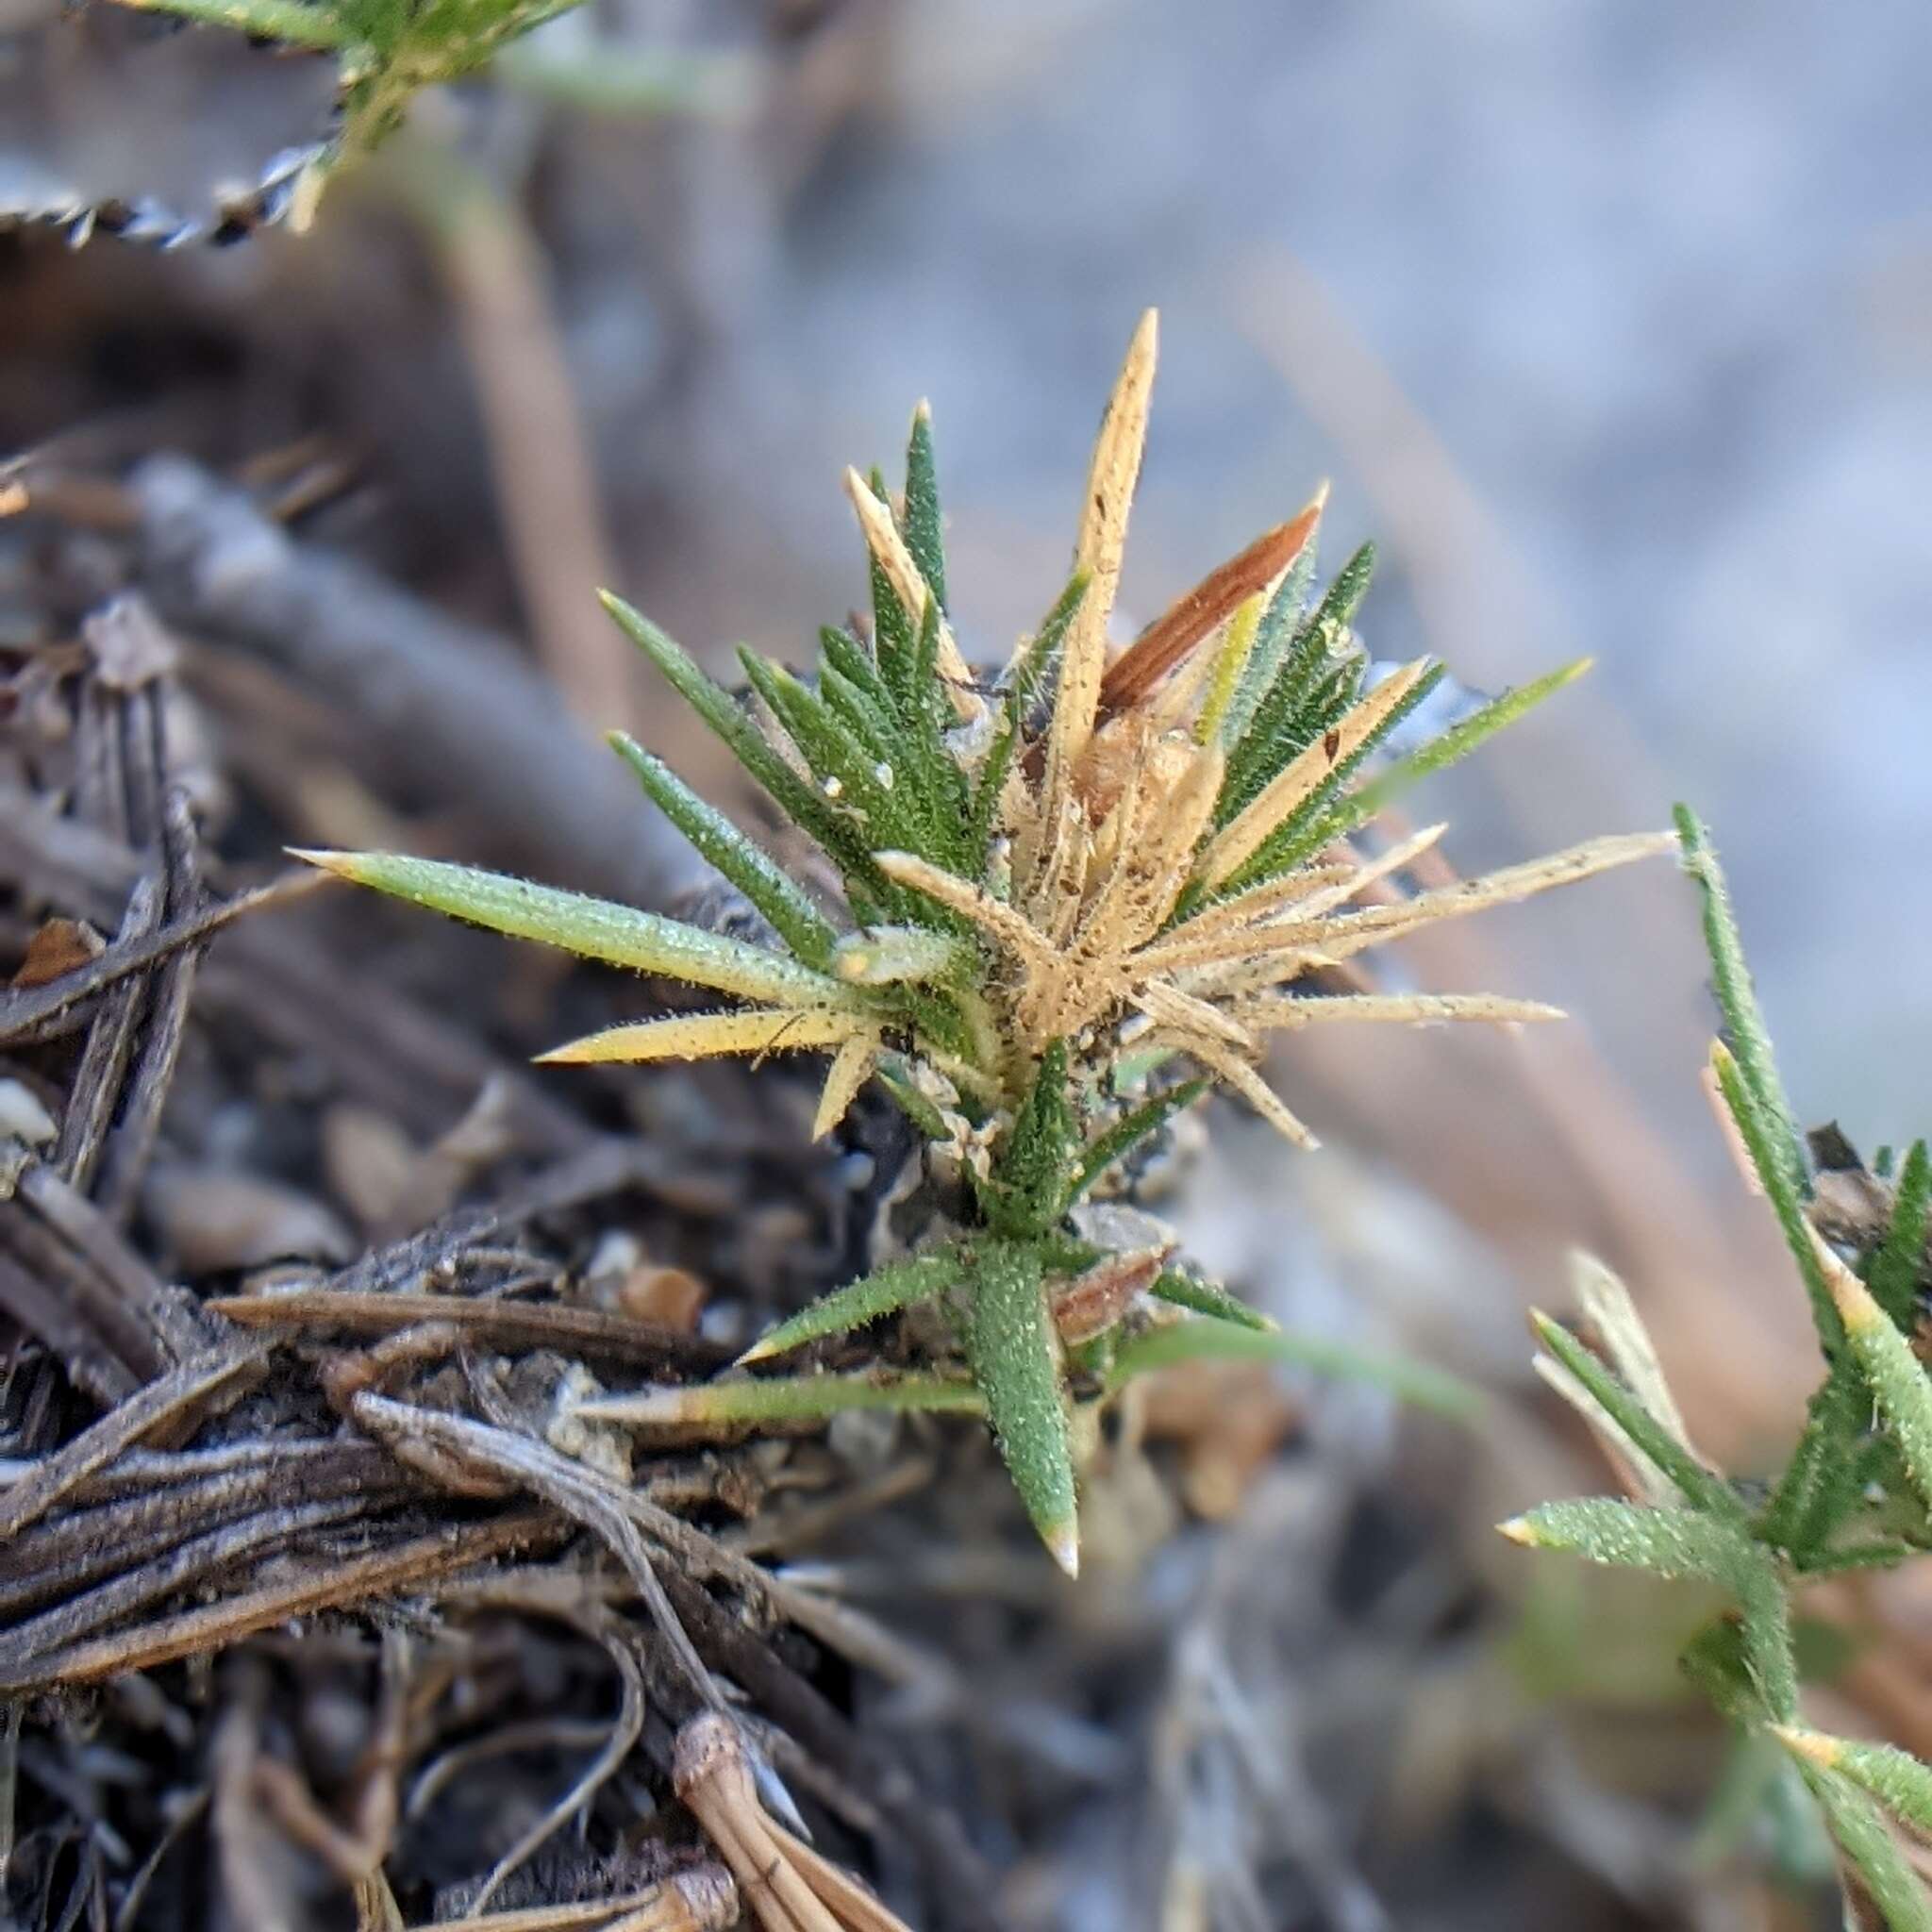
(1063, 1545)
(1015, 1358)
(887, 1290)
(706, 1036)
(341, 863)
(1854, 1301)
(1519, 1529)
(1815, 1745)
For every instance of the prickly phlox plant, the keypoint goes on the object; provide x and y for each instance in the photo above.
(1855, 1493)
(1074, 894)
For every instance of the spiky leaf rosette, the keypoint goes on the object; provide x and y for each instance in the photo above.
(1073, 895)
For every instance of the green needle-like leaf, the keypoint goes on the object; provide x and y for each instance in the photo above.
(784, 906)
(1887, 1555)
(871, 725)
(1718, 1662)
(897, 1078)
(884, 1291)
(1895, 1273)
(1279, 625)
(833, 751)
(1897, 1779)
(1306, 830)
(1030, 1182)
(1127, 1133)
(1738, 1001)
(1679, 1544)
(836, 835)
(1868, 1844)
(1895, 1375)
(1446, 749)
(298, 24)
(1320, 644)
(1783, 1187)
(1646, 1433)
(1016, 1362)
(1824, 1476)
(921, 524)
(1209, 1338)
(852, 660)
(1182, 1290)
(1230, 660)
(892, 624)
(593, 929)
(941, 782)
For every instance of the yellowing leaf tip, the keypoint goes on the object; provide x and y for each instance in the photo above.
(1854, 1301)
(1814, 1745)
(344, 865)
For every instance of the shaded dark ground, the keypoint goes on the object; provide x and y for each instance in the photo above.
(1611, 323)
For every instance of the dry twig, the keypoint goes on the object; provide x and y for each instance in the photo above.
(788, 1885)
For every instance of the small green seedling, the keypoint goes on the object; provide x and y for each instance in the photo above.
(1856, 1490)
(1070, 897)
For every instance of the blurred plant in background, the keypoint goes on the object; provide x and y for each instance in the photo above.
(384, 54)
(1855, 1493)
(1065, 888)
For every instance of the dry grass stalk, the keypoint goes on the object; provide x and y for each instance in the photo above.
(788, 1887)
(593, 1332)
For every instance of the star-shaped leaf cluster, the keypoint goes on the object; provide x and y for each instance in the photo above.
(1070, 895)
